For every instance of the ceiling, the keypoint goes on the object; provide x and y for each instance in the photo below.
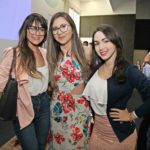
(114, 4)
(106, 7)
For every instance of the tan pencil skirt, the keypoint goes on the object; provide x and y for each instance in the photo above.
(104, 138)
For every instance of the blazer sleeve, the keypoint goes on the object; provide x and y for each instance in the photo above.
(139, 81)
(5, 65)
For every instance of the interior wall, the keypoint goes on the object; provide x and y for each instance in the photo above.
(103, 7)
(139, 55)
(38, 6)
(143, 9)
(124, 24)
(142, 31)
(6, 43)
(47, 9)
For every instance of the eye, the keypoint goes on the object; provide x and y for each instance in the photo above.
(96, 43)
(63, 26)
(42, 29)
(106, 40)
(32, 28)
(54, 29)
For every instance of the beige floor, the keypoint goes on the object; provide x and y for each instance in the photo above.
(10, 145)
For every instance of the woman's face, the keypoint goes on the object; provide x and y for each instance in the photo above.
(104, 48)
(35, 34)
(62, 31)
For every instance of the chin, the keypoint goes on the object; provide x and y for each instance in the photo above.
(63, 43)
(104, 58)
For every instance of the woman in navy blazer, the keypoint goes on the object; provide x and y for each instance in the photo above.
(109, 90)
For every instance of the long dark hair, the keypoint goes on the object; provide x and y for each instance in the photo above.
(54, 47)
(27, 59)
(121, 63)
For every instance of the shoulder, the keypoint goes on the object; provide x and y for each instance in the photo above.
(134, 76)
(7, 52)
(6, 59)
(44, 50)
(132, 70)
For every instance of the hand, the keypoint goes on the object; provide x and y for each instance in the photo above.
(120, 115)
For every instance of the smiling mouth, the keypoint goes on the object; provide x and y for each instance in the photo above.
(61, 37)
(103, 53)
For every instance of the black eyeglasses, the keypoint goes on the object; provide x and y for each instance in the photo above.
(33, 30)
(62, 28)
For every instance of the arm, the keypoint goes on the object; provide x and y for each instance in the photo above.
(137, 80)
(5, 67)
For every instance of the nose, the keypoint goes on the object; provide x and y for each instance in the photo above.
(37, 32)
(101, 45)
(59, 31)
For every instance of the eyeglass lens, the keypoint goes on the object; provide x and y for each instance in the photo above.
(34, 30)
(62, 28)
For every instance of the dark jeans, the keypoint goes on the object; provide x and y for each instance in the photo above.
(34, 136)
(143, 142)
(148, 138)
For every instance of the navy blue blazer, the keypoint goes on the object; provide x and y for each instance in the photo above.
(119, 95)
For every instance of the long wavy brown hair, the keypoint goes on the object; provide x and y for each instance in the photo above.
(25, 54)
(76, 48)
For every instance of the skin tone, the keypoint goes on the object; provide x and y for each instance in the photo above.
(64, 39)
(33, 41)
(106, 50)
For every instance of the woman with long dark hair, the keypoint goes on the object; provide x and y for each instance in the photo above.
(109, 90)
(32, 73)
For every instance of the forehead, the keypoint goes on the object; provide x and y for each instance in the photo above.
(99, 36)
(58, 21)
(36, 23)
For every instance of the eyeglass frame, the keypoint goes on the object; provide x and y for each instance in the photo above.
(60, 29)
(33, 30)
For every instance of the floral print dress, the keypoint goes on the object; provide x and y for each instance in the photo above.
(70, 113)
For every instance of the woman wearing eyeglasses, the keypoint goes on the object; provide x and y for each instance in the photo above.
(33, 115)
(70, 112)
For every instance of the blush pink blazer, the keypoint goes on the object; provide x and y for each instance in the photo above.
(25, 112)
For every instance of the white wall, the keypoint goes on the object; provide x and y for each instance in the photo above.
(6, 43)
(103, 7)
(47, 10)
(143, 9)
(75, 5)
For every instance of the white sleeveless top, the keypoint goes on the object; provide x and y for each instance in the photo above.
(38, 86)
(96, 92)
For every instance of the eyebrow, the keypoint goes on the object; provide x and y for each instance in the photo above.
(61, 25)
(36, 26)
(102, 39)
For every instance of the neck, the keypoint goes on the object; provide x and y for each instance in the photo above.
(109, 64)
(65, 48)
(34, 48)
(64, 51)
